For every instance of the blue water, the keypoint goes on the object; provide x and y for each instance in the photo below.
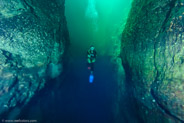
(86, 102)
(75, 100)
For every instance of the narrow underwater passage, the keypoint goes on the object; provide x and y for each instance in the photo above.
(88, 23)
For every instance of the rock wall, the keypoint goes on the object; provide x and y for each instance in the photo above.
(153, 58)
(33, 38)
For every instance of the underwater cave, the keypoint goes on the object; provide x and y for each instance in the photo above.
(92, 61)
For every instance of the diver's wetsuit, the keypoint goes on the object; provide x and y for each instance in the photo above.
(91, 56)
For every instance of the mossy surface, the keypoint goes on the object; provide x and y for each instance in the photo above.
(152, 53)
(33, 34)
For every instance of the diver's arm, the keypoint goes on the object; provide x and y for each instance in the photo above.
(88, 54)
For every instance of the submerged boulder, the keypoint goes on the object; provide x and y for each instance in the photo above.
(33, 38)
(152, 54)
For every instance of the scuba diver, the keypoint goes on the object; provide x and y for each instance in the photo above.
(91, 58)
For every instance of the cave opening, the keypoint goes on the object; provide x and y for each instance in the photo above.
(97, 23)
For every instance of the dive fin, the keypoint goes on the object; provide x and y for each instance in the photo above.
(91, 78)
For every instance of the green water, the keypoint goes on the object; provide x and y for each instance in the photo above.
(95, 22)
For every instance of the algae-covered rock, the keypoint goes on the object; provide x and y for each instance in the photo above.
(33, 37)
(152, 53)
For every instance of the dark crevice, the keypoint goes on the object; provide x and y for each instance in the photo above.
(31, 8)
(172, 5)
(14, 83)
(156, 78)
(7, 55)
(130, 97)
